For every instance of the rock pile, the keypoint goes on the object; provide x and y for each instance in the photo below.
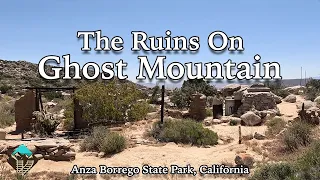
(197, 109)
(48, 150)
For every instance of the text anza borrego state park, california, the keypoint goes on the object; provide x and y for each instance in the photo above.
(174, 71)
(161, 170)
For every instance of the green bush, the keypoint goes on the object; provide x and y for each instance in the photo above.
(281, 92)
(275, 125)
(155, 95)
(102, 140)
(308, 165)
(50, 95)
(113, 143)
(68, 124)
(312, 89)
(277, 88)
(279, 171)
(209, 112)
(138, 111)
(299, 134)
(233, 122)
(105, 102)
(184, 131)
(5, 88)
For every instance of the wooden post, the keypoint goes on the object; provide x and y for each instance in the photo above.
(240, 136)
(40, 100)
(75, 117)
(162, 103)
(37, 100)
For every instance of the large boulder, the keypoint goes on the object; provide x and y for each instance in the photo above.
(295, 89)
(229, 89)
(250, 119)
(307, 104)
(290, 98)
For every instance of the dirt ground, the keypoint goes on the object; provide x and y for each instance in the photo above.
(170, 153)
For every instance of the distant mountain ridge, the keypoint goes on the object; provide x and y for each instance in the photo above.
(20, 74)
(221, 84)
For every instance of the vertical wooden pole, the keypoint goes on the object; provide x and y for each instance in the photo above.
(162, 103)
(37, 100)
(240, 136)
(75, 106)
(40, 100)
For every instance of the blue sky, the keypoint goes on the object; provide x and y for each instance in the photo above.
(284, 31)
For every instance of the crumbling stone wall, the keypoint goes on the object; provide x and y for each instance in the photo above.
(24, 107)
(197, 109)
(257, 100)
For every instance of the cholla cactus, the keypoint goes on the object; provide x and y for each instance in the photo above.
(44, 123)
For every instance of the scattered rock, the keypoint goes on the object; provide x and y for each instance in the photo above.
(259, 136)
(225, 119)
(244, 159)
(38, 156)
(127, 124)
(250, 119)
(101, 155)
(95, 154)
(207, 122)
(247, 137)
(226, 139)
(216, 121)
(290, 98)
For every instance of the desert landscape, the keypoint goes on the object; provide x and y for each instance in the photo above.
(270, 128)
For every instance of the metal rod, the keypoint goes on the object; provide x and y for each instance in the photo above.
(162, 103)
(240, 136)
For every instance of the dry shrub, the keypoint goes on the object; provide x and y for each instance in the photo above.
(7, 113)
(184, 131)
(279, 171)
(102, 140)
(299, 134)
(275, 126)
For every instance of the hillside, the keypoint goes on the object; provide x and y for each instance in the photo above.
(21, 74)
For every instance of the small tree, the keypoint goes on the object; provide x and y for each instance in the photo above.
(155, 95)
(182, 97)
(112, 101)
